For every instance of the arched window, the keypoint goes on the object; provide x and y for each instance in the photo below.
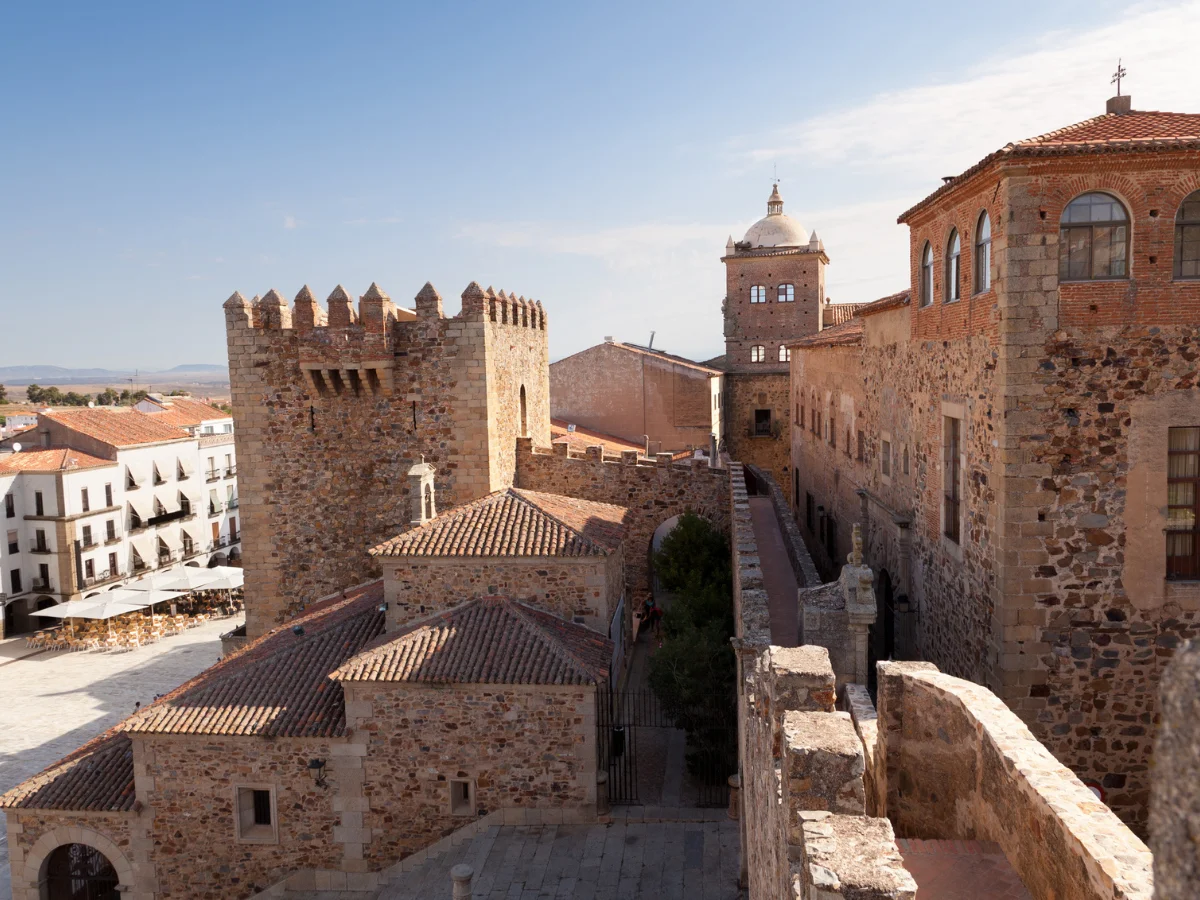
(758, 353)
(77, 870)
(953, 249)
(758, 294)
(428, 501)
(524, 416)
(1187, 237)
(785, 354)
(983, 254)
(787, 293)
(927, 275)
(1093, 239)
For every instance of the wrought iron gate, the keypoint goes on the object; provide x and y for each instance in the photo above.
(623, 719)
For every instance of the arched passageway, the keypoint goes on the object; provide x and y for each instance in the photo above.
(79, 872)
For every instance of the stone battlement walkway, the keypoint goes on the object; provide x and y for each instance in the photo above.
(778, 577)
(961, 870)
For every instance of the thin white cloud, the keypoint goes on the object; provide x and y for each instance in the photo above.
(942, 128)
(620, 247)
(289, 222)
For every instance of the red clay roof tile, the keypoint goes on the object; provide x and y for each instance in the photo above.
(487, 641)
(513, 522)
(117, 426)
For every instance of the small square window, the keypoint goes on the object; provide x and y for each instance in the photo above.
(256, 814)
(462, 797)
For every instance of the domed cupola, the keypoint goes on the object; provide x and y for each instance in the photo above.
(776, 229)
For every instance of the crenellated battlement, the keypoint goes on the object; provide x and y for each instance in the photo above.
(344, 351)
(595, 454)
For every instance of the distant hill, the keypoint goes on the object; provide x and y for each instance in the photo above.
(16, 375)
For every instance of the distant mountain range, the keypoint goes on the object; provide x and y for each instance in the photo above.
(62, 375)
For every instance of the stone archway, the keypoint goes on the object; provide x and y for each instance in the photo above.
(29, 875)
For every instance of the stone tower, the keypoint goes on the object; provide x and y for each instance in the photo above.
(334, 407)
(774, 292)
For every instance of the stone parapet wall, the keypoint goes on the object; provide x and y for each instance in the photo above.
(857, 700)
(961, 765)
(848, 858)
(1175, 800)
(652, 492)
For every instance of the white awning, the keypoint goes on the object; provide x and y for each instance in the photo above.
(170, 537)
(136, 473)
(141, 506)
(185, 466)
(168, 499)
(144, 545)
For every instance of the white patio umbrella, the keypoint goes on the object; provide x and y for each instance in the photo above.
(102, 606)
(227, 578)
(189, 578)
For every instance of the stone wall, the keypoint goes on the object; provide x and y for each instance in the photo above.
(587, 588)
(1175, 801)
(333, 409)
(34, 834)
(651, 493)
(960, 765)
(532, 747)
(745, 393)
(188, 784)
(632, 395)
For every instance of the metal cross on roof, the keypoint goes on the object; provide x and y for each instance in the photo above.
(1118, 75)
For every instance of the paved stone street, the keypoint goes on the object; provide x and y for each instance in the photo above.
(667, 860)
(51, 702)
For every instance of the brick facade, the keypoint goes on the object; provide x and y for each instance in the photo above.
(333, 408)
(1056, 594)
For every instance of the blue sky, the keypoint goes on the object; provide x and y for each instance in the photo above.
(157, 157)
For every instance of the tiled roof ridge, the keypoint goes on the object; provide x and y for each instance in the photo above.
(521, 494)
(557, 645)
(238, 659)
(667, 357)
(447, 519)
(898, 299)
(23, 791)
(1046, 145)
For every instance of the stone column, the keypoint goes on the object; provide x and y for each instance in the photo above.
(856, 581)
(461, 877)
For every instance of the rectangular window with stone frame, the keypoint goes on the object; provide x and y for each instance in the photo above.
(1183, 503)
(256, 814)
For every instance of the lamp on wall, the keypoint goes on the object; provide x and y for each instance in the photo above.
(317, 767)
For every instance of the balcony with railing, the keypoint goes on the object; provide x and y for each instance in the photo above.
(44, 586)
(212, 475)
(39, 547)
(230, 471)
(103, 578)
(215, 509)
(233, 503)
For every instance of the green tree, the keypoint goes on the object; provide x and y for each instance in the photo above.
(3, 394)
(33, 393)
(694, 671)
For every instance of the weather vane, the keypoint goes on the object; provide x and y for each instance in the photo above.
(775, 172)
(1118, 75)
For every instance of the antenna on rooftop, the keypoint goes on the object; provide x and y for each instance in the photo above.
(1118, 75)
(650, 346)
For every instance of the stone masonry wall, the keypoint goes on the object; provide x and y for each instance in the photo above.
(33, 835)
(521, 746)
(332, 409)
(588, 587)
(960, 765)
(651, 493)
(743, 395)
(189, 786)
(1095, 373)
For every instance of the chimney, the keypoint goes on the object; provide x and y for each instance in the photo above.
(1119, 105)
(421, 493)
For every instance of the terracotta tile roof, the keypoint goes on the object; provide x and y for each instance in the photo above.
(51, 459)
(487, 641)
(844, 335)
(582, 438)
(183, 412)
(892, 301)
(116, 426)
(276, 686)
(1139, 131)
(837, 313)
(717, 362)
(513, 522)
(279, 685)
(98, 776)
